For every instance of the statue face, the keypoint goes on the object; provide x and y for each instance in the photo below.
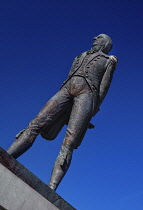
(99, 43)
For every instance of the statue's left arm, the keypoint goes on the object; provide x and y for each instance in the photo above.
(106, 80)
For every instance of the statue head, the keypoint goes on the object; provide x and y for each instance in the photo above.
(102, 43)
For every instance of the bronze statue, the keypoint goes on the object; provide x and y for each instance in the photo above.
(75, 104)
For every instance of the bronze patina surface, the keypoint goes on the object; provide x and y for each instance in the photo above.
(77, 101)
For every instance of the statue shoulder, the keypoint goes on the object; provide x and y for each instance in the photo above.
(81, 55)
(114, 59)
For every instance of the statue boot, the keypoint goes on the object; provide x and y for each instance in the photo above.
(24, 140)
(61, 166)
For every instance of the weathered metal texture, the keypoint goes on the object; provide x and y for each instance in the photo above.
(78, 100)
(34, 182)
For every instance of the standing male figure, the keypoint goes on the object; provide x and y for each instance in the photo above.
(75, 104)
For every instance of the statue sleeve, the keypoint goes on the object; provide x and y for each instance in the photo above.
(107, 79)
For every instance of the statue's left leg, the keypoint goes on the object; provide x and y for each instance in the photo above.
(79, 120)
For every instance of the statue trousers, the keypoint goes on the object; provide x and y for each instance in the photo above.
(74, 98)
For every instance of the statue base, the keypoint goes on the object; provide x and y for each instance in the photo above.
(21, 189)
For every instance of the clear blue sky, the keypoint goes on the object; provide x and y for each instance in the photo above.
(38, 42)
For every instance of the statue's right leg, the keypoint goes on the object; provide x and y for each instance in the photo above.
(23, 142)
(49, 113)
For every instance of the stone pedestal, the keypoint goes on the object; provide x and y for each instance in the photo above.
(22, 190)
